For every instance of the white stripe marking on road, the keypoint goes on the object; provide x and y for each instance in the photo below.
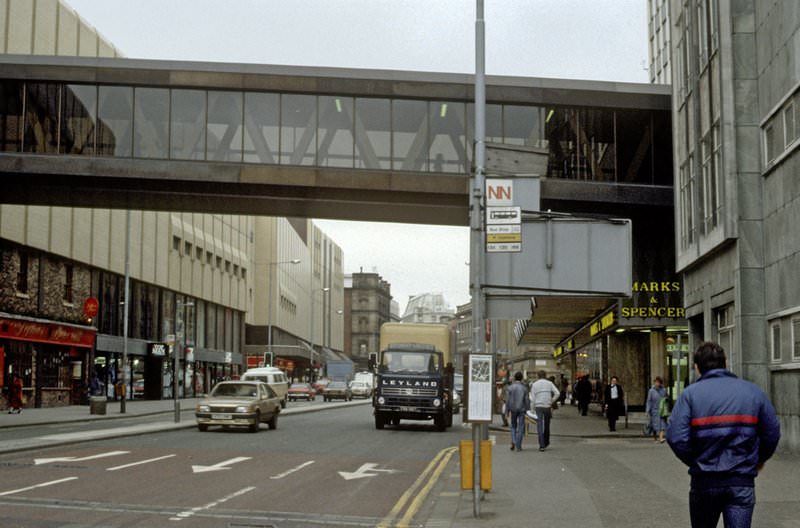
(189, 513)
(124, 466)
(42, 485)
(289, 472)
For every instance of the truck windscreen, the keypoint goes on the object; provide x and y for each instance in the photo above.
(400, 361)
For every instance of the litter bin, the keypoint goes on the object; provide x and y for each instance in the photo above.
(97, 404)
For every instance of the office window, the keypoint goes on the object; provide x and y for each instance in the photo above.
(68, 277)
(176, 243)
(219, 262)
(244, 273)
(198, 253)
(22, 273)
(770, 147)
(776, 341)
(227, 266)
(789, 124)
(796, 338)
(187, 249)
(208, 258)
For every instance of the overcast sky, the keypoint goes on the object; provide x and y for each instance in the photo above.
(569, 39)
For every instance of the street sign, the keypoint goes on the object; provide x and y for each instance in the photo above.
(503, 215)
(479, 388)
(504, 238)
(499, 192)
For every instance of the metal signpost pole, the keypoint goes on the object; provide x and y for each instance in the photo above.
(125, 311)
(476, 229)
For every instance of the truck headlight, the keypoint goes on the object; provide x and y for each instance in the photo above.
(242, 409)
(381, 400)
(437, 402)
(203, 408)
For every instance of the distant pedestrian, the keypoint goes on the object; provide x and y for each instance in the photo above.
(724, 429)
(656, 400)
(543, 394)
(95, 387)
(502, 392)
(15, 395)
(564, 388)
(614, 403)
(583, 393)
(517, 404)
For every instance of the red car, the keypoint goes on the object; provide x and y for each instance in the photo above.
(302, 391)
(320, 385)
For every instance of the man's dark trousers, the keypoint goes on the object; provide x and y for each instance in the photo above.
(543, 416)
(734, 503)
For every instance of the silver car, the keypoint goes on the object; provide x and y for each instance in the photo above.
(360, 389)
(239, 404)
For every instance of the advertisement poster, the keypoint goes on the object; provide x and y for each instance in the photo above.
(479, 389)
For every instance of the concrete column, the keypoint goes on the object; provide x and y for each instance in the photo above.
(658, 350)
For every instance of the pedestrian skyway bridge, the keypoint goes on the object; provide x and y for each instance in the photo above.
(316, 142)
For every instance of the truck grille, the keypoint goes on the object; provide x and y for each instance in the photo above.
(413, 392)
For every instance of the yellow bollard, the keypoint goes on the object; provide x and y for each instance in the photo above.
(466, 451)
(486, 465)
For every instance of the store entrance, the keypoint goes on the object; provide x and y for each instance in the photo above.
(153, 367)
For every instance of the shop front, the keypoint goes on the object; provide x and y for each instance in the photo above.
(50, 357)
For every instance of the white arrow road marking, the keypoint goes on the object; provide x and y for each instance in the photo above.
(188, 513)
(124, 466)
(218, 466)
(38, 461)
(42, 485)
(289, 472)
(366, 470)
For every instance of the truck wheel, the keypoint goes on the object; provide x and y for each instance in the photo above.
(395, 421)
(379, 421)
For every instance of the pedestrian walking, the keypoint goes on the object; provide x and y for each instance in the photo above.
(15, 395)
(724, 429)
(564, 388)
(654, 407)
(614, 403)
(543, 394)
(502, 392)
(517, 404)
(583, 393)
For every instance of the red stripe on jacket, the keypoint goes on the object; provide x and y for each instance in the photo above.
(725, 418)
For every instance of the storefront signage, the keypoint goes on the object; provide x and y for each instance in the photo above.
(604, 323)
(656, 291)
(51, 333)
(91, 307)
(157, 349)
(559, 350)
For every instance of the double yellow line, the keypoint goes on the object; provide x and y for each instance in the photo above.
(431, 475)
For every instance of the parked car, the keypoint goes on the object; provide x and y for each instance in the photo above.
(302, 391)
(337, 390)
(272, 376)
(320, 385)
(458, 392)
(239, 404)
(361, 389)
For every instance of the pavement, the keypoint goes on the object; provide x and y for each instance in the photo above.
(588, 477)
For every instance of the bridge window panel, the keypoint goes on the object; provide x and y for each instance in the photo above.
(115, 121)
(634, 137)
(187, 134)
(262, 113)
(11, 96)
(78, 119)
(336, 121)
(523, 125)
(448, 129)
(597, 147)
(494, 126)
(42, 101)
(298, 129)
(225, 123)
(151, 123)
(373, 136)
(410, 135)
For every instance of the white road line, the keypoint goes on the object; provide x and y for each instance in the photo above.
(124, 466)
(289, 472)
(42, 485)
(188, 513)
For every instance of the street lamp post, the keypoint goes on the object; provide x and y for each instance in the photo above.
(269, 304)
(311, 331)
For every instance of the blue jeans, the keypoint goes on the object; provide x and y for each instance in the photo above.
(544, 415)
(517, 428)
(735, 503)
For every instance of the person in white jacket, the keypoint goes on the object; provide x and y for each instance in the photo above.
(543, 394)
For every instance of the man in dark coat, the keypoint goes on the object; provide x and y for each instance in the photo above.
(583, 393)
(614, 399)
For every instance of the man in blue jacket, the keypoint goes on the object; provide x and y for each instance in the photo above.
(724, 429)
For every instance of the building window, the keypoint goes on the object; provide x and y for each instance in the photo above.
(725, 337)
(710, 151)
(68, 276)
(22, 273)
(789, 124)
(198, 253)
(208, 258)
(244, 272)
(176, 243)
(187, 249)
(770, 149)
(776, 341)
(219, 262)
(796, 338)
(227, 266)
(687, 204)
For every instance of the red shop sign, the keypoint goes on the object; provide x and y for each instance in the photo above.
(90, 307)
(52, 333)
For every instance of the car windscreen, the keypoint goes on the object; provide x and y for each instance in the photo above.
(401, 361)
(234, 390)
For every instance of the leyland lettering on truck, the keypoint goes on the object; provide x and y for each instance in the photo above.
(415, 375)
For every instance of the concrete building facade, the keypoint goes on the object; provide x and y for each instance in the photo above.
(369, 306)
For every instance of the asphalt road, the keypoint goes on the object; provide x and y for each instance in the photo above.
(328, 468)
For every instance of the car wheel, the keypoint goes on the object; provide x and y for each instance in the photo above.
(254, 426)
(273, 423)
(283, 403)
(202, 427)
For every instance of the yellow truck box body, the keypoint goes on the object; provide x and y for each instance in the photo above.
(434, 334)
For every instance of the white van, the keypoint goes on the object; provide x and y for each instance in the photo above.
(272, 376)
